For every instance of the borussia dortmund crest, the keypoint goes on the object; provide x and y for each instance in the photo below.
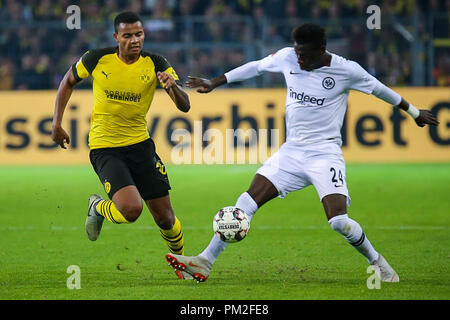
(145, 75)
(107, 186)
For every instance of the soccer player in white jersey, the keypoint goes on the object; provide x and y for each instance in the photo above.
(318, 84)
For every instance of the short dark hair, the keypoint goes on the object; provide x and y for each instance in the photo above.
(310, 33)
(126, 17)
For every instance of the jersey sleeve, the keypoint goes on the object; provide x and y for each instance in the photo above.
(360, 79)
(386, 94)
(85, 65)
(162, 65)
(363, 81)
(273, 62)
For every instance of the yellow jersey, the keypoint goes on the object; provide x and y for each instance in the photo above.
(122, 95)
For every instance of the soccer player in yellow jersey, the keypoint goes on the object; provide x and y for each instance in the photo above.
(121, 151)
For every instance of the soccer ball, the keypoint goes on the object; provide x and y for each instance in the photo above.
(231, 224)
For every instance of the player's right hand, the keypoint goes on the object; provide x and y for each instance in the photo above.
(426, 117)
(204, 84)
(60, 136)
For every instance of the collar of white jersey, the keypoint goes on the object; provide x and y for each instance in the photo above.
(331, 62)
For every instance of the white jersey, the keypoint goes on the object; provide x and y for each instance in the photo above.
(316, 101)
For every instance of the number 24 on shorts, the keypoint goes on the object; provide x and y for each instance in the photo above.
(337, 178)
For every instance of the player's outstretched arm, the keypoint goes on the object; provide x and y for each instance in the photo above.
(422, 117)
(59, 135)
(205, 85)
(178, 96)
(364, 82)
(246, 71)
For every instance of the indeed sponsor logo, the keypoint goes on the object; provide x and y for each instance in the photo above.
(302, 97)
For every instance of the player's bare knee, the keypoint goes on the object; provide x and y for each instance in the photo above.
(131, 212)
(165, 222)
(334, 205)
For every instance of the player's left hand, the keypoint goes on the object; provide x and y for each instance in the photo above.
(426, 117)
(166, 79)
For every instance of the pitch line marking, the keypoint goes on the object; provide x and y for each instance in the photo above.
(257, 227)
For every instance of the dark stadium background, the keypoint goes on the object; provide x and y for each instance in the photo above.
(207, 38)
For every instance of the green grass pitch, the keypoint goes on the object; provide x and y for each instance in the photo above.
(290, 253)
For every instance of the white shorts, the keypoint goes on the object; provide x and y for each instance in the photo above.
(295, 167)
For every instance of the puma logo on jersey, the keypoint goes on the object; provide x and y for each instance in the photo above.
(302, 97)
(106, 75)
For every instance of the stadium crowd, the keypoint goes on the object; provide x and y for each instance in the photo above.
(207, 38)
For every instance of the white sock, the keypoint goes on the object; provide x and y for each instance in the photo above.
(213, 250)
(246, 203)
(354, 234)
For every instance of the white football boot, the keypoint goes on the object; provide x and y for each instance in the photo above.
(195, 266)
(94, 221)
(183, 275)
(384, 270)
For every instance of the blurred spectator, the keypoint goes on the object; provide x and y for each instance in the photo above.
(6, 74)
(334, 27)
(13, 12)
(441, 72)
(44, 11)
(372, 64)
(357, 43)
(32, 74)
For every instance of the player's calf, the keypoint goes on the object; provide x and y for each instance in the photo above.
(168, 223)
(354, 234)
(174, 237)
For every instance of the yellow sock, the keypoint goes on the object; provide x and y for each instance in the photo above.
(174, 237)
(108, 209)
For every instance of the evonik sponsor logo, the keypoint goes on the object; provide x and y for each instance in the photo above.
(302, 97)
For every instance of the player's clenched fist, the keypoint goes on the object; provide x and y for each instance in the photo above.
(166, 79)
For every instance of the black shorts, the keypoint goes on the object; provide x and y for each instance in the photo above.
(137, 165)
